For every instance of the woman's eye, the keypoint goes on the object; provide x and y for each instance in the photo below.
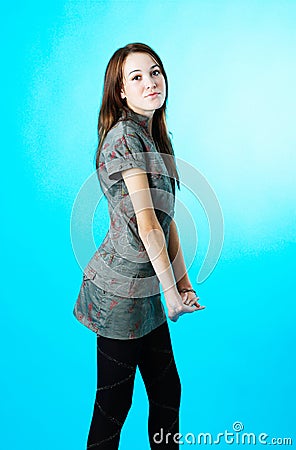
(155, 73)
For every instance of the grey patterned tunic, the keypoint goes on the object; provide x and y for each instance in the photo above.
(120, 294)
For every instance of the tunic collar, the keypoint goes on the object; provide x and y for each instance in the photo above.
(141, 120)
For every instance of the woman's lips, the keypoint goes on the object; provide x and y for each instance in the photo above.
(154, 94)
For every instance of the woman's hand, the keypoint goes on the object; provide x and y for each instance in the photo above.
(190, 299)
(177, 307)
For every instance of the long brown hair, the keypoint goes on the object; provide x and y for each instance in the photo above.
(113, 105)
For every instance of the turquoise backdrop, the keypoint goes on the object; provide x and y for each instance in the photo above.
(231, 69)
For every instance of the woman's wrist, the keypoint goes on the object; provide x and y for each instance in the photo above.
(173, 290)
(183, 285)
(183, 282)
(182, 291)
(172, 297)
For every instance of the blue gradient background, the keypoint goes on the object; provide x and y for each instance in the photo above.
(231, 68)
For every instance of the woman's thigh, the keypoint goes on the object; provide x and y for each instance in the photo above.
(158, 368)
(116, 367)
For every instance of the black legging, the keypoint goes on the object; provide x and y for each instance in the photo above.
(117, 361)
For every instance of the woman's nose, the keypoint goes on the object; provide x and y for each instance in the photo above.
(150, 83)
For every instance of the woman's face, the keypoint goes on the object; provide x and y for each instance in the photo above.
(143, 84)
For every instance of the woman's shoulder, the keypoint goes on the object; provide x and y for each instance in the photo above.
(122, 128)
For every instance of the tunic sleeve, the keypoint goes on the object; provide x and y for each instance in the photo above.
(124, 152)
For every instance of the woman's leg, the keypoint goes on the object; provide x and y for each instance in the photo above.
(162, 382)
(116, 367)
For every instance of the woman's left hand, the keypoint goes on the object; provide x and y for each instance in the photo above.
(190, 299)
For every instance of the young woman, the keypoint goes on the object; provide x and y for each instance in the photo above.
(119, 298)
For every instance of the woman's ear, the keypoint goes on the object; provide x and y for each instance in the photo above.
(122, 94)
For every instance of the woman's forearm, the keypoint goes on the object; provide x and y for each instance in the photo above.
(150, 230)
(177, 258)
(155, 245)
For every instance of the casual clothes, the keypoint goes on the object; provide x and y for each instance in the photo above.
(117, 362)
(120, 295)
